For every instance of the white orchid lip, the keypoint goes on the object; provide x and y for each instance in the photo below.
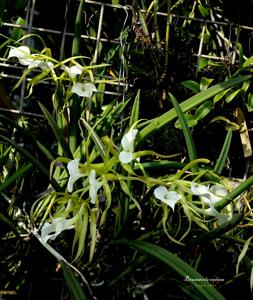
(211, 196)
(168, 197)
(43, 65)
(74, 173)
(25, 58)
(73, 70)
(127, 142)
(83, 89)
(50, 231)
(22, 53)
(94, 186)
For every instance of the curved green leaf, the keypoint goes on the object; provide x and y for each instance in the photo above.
(58, 134)
(177, 264)
(186, 131)
(73, 284)
(224, 153)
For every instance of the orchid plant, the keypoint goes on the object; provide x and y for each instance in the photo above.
(101, 181)
(96, 185)
(94, 175)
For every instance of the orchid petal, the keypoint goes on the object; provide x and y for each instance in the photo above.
(219, 190)
(50, 231)
(94, 186)
(211, 211)
(22, 53)
(168, 197)
(74, 173)
(83, 89)
(125, 157)
(127, 141)
(73, 70)
(199, 190)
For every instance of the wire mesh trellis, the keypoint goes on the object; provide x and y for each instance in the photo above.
(105, 25)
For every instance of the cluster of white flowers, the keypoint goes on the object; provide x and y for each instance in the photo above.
(208, 195)
(50, 230)
(25, 58)
(75, 174)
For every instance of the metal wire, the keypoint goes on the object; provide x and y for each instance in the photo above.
(9, 69)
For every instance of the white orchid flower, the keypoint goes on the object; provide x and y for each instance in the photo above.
(211, 211)
(22, 53)
(50, 231)
(73, 70)
(25, 58)
(74, 173)
(211, 196)
(83, 89)
(94, 186)
(168, 197)
(43, 65)
(127, 142)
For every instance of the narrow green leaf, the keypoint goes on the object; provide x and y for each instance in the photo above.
(203, 110)
(160, 164)
(205, 82)
(219, 96)
(191, 85)
(18, 32)
(72, 282)
(248, 62)
(190, 119)
(231, 96)
(135, 110)
(93, 233)
(58, 134)
(73, 126)
(242, 254)
(186, 131)
(96, 139)
(81, 228)
(177, 264)
(78, 30)
(224, 153)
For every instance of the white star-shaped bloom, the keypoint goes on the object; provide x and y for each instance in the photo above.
(168, 197)
(83, 89)
(127, 142)
(50, 231)
(211, 196)
(22, 53)
(94, 186)
(73, 70)
(74, 173)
